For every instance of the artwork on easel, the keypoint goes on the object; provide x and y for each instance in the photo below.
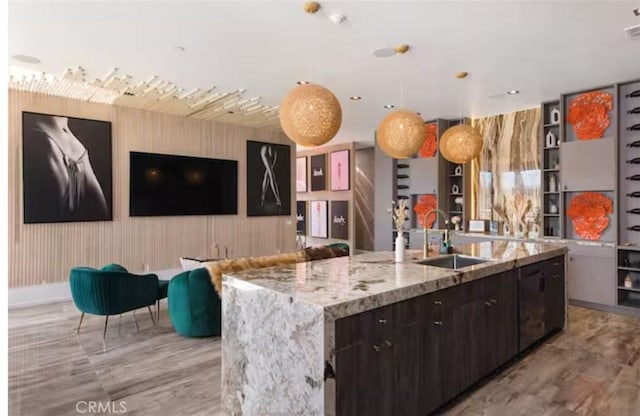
(319, 172)
(340, 219)
(301, 217)
(301, 174)
(319, 219)
(340, 170)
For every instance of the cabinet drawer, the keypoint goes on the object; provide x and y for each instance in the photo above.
(588, 165)
(364, 327)
(592, 279)
(423, 175)
(592, 251)
(555, 267)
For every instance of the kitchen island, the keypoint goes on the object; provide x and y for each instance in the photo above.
(366, 335)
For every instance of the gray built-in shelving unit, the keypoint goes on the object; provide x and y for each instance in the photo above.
(455, 176)
(550, 139)
(596, 273)
(435, 175)
(628, 250)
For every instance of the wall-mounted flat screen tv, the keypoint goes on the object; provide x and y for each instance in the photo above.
(164, 185)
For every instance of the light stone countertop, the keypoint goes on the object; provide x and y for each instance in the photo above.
(346, 286)
(550, 240)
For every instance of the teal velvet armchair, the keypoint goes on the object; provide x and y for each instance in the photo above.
(195, 308)
(111, 291)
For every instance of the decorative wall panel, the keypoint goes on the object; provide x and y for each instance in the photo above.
(508, 182)
(44, 253)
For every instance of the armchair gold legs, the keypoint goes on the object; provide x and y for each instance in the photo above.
(151, 315)
(80, 323)
(106, 321)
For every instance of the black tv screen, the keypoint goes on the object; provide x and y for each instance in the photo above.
(163, 185)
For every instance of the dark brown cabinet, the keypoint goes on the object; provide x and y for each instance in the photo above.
(555, 312)
(412, 357)
(542, 300)
(479, 331)
(377, 361)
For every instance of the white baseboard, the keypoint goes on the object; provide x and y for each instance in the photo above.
(58, 292)
(39, 294)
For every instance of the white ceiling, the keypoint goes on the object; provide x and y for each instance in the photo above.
(542, 48)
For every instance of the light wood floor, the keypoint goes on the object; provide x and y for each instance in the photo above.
(591, 369)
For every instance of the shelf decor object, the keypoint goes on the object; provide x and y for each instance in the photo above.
(460, 144)
(424, 204)
(555, 116)
(310, 115)
(551, 139)
(339, 162)
(401, 134)
(430, 144)
(589, 114)
(588, 212)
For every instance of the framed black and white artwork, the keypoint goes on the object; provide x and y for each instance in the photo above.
(301, 217)
(268, 179)
(66, 169)
(318, 216)
(318, 172)
(340, 219)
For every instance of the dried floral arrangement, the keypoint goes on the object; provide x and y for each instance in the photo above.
(399, 214)
(589, 114)
(588, 212)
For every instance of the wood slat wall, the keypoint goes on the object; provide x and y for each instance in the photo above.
(44, 253)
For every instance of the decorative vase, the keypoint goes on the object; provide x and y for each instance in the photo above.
(455, 189)
(553, 184)
(551, 139)
(555, 116)
(628, 283)
(399, 248)
(458, 171)
(553, 208)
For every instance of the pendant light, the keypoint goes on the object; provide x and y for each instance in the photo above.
(462, 143)
(310, 114)
(402, 132)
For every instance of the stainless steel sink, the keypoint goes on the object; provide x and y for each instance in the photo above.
(453, 261)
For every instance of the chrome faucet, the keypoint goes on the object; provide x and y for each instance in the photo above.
(425, 246)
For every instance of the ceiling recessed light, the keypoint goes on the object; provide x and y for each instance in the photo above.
(384, 52)
(389, 106)
(177, 48)
(27, 59)
(636, 11)
(355, 97)
(302, 82)
(337, 18)
(513, 92)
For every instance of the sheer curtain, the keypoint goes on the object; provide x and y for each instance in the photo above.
(508, 182)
